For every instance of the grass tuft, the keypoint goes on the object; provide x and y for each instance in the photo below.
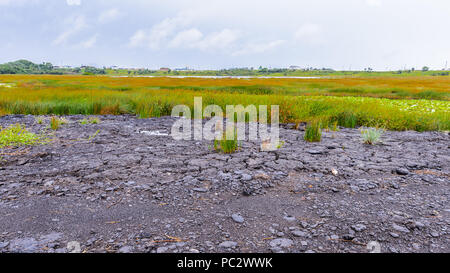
(313, 132)
(227, 146)
(372, 136)
(55, 123)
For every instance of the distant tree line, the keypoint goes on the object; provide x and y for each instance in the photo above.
(27, 67)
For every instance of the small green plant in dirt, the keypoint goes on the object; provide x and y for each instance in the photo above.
(372, 136)
(55, 123)
(227, 146)
(280, 144)
(90, 121)
(94, 120)
(18, 135)
(94, 135)
(39, 120)
(63, 121)
(313, 132)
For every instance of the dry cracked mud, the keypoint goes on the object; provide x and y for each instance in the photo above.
(132, 188)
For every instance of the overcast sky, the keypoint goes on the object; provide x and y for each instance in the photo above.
(211, 34)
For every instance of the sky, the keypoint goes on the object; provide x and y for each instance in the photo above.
(215, 34)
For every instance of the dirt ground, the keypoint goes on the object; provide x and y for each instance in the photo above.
(132, 188)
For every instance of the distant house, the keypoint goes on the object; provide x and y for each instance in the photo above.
(164, 69)
(183, 69)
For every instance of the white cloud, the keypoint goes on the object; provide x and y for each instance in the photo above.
(194, 39)
(188, 38)
(108, 15)
(73, 2)
(89, 43)
(255, 48)
(160, 32)
(374, 3)
(74, 25)
(219, 40)
(138, 38)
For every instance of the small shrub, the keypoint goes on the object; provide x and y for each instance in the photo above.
(84, 121)
(17, 135)
(227, 146)
(313, 132)
(372, 136)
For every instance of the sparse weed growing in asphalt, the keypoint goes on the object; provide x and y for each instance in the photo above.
(372, 136)
(18, 135)
(227, 146)
(84, 121)
(313, 132)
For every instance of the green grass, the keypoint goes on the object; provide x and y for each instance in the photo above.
(91, 120)
(313, 132)
(372, 136)
(17, 135)
(348, 102)
(55, 123)
(227, 145)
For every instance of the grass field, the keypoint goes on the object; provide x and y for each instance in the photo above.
(397, 103)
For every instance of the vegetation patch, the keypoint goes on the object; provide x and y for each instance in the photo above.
(372, 136)
(227, 146)
(17, 135)
(354, 102)
(313, 132)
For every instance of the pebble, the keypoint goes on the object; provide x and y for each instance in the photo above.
(238, 218)
(281, 243)
(359, 227)
(402, 171)
(228, 244)
(400, 228)
(298, 233)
